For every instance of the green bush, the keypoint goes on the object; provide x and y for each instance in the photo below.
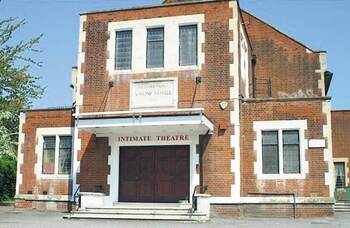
(7, 178)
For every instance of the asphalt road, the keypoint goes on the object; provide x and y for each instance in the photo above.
(10, 217)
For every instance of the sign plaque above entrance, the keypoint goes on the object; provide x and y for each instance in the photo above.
(153, 93)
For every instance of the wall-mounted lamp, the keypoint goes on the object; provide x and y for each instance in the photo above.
(198, 79)
(111, 84)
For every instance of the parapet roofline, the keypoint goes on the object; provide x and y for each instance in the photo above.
(47, 109)
(284, 34)
(151, 6)
(341, 110)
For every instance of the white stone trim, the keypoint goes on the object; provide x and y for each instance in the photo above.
(75, 161)
(322, 70)
(301, 126)
(317, 143)
(39, 197)
(80, 77)
(244, 61)
(234, 95)
(113, 162)
(328, 152)
(171, 43)
(20, 155)
(81, 60)
(40, 133)
(327, 128)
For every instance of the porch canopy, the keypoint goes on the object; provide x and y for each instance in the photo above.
(139, 122)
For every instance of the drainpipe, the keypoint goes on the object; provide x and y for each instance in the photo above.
(253, 75)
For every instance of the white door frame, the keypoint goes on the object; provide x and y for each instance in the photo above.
(113, 162)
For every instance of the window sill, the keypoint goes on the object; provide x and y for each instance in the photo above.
(280, 176)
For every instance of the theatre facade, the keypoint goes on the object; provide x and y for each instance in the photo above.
(196, 108)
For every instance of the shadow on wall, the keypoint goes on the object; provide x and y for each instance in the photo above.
(94, 168)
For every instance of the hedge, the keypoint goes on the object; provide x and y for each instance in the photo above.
(8, 168)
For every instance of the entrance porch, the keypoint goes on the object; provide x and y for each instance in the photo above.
(153, 162)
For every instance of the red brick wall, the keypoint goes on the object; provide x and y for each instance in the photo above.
(214, 88)
(283, 60)
(94, 163)
(341, 135)
(271, 210)
(314, 183)
(34, 120)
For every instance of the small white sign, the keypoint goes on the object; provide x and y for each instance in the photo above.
(317, 143)
(153, 93)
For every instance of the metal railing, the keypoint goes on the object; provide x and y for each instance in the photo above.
(280, 194)
(194, 197)
(77, 197)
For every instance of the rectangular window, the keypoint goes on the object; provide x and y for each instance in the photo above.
(280, 157)
(57, 159)
(155, 48)
(188, 45)
(291, 154)
(48, 164)
(123, 50)
(65, 154)
(270, 152)
(340, 173)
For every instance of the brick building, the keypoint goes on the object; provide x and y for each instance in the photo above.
(341, 152)
(180, 95)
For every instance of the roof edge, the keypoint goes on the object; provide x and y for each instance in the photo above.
(341, 110)
(150, 6)
(47, 109)
(284, 34)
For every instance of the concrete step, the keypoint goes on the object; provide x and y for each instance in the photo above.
(137, 217)
(153, 205)
(123, 211)
(146, 216)
(342, 210)
(342, 204)
(138, 209)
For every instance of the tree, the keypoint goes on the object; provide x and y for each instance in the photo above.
(18, 87)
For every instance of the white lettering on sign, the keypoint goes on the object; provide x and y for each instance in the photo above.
(153, 138)
(160, 93)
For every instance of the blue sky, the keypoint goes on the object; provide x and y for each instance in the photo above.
(319, 24)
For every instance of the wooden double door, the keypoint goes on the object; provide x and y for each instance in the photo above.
(154, 174)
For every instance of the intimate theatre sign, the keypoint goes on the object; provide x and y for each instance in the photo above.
(148, 138)
(153, 93)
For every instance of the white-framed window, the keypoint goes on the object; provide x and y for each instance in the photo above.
(161, 50)
(280, 148)
(188, 40)
(54, 153)
(155, 48)
(57, 155)
(123, 50)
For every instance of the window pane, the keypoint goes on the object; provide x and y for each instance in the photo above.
(155, 47)
(48, 162)
(340, 173)
(270, 138)
(290, 137)
(65, 152)
(291, 154)
(123, 50)
(270, 152)
(188, 45)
